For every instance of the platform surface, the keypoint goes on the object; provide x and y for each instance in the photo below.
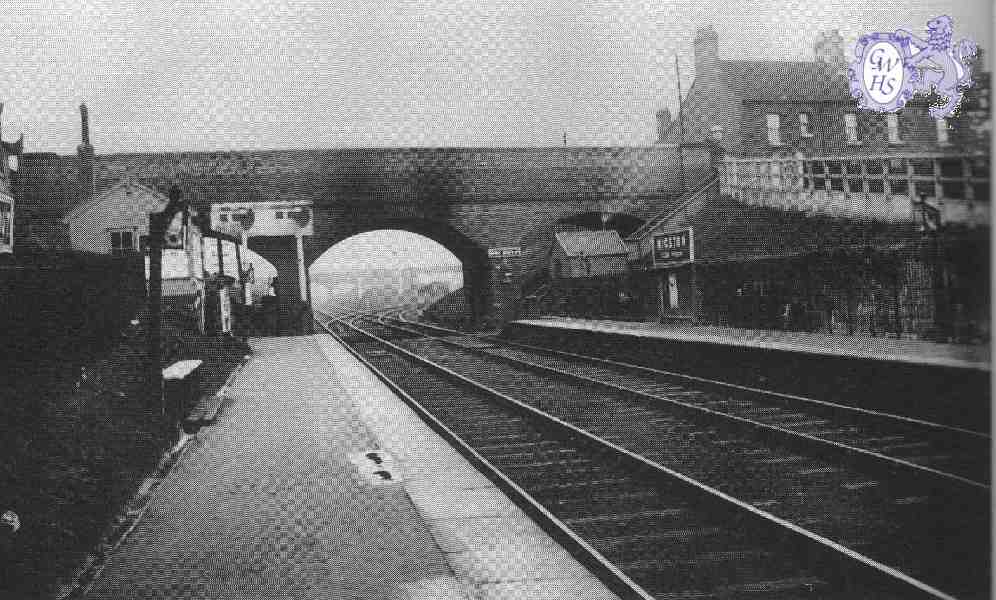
(872, 348)
(286, 497)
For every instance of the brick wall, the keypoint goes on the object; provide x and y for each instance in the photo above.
(466, 199)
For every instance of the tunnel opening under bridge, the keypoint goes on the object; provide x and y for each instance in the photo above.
(441, 272)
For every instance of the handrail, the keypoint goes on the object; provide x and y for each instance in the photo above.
(667, 213)
(847, 157)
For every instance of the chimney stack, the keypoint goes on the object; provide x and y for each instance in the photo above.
(87, 180)
(706, 51)
(829, 47)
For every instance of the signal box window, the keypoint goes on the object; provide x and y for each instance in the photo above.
(123, 241)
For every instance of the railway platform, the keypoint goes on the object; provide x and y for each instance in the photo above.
(317, 482)
(914, 352)
(948, 383)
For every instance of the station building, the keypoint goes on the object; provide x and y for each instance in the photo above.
(823, 217)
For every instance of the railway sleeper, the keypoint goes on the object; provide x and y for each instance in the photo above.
(716, 570)
(607, 525)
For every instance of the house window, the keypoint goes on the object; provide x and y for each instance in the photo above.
(716, 132)
(942, 131)
(892, 121)
(280, 214)
(851, 128)
(122, 241)
(804, 125)
(774, 133)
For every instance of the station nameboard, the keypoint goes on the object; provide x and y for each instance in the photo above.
(6, 224)
(673, 248)
(504, 252)
(263, 218)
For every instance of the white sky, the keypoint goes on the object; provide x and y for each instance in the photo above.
(270, 74)
(384, 249)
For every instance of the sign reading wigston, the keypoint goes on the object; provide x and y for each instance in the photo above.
(673, 248)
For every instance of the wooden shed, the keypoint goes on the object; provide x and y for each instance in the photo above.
(587, 254)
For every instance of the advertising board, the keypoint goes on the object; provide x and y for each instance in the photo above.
(263, 218)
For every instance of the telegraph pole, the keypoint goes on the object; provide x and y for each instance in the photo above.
(681, 128)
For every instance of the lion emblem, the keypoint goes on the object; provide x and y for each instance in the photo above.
(890, 67)
(937, 64)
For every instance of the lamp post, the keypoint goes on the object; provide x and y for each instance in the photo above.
(158, 224)
(931, 225)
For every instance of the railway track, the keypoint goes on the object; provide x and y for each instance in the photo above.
(937, 450)
(861, 525)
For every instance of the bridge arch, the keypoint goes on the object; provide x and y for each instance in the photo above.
(294, 312)
(477, 269)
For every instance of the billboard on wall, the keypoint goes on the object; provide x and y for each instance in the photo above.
(6, 224)
(263, 218)
(673, 248)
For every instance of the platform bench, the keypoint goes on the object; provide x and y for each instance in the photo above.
(181, 388)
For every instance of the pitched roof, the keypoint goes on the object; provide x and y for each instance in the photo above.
(730, 230)
(591, 243)
(779, 80)
(125, 184)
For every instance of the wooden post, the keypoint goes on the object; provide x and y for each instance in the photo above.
(221, 257)
(238, 261)
(660, 297)
(157, 234)
(245, 244)
(694, 296)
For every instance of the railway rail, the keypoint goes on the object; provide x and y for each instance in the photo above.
(747, 485)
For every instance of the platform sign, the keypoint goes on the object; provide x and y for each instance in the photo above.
(6, 224)
(291, 218)
(504, 252)
(673, 248)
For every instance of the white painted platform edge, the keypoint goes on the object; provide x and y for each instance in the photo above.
(753, 342)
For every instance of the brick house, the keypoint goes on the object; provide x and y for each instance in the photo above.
(9, 155)
(815, 222)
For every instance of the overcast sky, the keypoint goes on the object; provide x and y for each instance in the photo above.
(385, 249)
(268, 74)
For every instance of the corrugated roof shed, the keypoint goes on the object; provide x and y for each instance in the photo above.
(591, 243)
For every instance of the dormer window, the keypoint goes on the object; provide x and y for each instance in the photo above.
(892, 121)
(804, 125)
(774, 130)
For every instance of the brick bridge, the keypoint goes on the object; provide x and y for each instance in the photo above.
(468, 200)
